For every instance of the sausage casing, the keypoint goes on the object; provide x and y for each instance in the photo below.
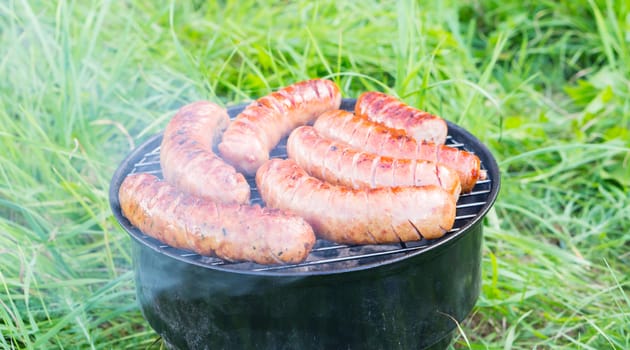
(373, 137)
(357, 216)
(187, 158)
(342, 164)
(393, 113)
(258, 129)
(230, 231)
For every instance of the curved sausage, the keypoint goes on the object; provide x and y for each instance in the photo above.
(357, 216)
(342, 164)
(372, 137)
(230, 231)
(187, 158)
(393, 113)
(258, 129)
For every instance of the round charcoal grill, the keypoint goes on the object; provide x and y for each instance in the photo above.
(390, 296)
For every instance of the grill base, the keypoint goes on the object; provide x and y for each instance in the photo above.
(407, 305)
(440, 345)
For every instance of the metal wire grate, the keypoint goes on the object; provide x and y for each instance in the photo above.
(325, 256)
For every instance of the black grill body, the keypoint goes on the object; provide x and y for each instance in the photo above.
(343, 297)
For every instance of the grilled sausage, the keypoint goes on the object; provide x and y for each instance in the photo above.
(258, 129)
(373, 137)
(356, 216)
(230, 231)
(341, 164)
(187, 158)
(393, 113)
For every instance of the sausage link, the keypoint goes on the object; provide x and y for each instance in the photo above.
(187, 158)
(258, 129)
(373, 137)
(393, 113)
(357, 216)
(229, 231)
(342, 164)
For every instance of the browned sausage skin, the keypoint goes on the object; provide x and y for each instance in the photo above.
(258, 129)
(393, 113)
(373, 137)
(357, 216)
(187, 158)
(342, 164)
(229, 231)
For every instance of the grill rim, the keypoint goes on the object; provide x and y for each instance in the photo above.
(469, 140)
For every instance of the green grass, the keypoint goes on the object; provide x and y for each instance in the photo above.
(545, 86)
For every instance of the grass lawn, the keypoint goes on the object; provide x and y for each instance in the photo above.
(546, 86)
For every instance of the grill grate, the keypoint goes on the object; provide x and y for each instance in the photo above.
(325, 256)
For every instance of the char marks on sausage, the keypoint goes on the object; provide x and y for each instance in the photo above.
(393, 113)
(258, 129)
(357, 216)
(342, 164)
(375, 138)
(187, 158)
(229, 231)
